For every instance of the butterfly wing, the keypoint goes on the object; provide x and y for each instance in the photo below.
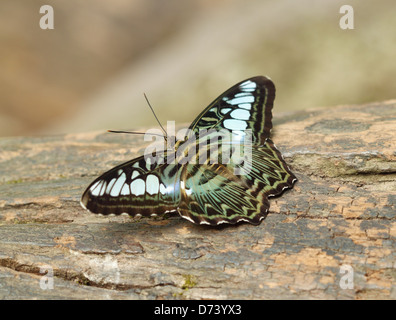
(246, 105)
(268, 174)
(140, 186)
(214, 194)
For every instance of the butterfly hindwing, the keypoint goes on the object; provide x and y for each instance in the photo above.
(268, 171)
(233, 192)
(212, 195)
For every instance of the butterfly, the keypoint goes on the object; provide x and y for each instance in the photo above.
(205, 192)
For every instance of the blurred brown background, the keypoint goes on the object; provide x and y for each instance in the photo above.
(90, 72)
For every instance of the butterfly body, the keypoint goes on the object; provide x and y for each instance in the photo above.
(198, 176)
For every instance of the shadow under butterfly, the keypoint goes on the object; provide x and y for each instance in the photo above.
(204, 193)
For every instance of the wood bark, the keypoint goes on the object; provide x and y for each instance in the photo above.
(331, 237)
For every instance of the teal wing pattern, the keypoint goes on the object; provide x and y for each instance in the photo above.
(268, 174)
(215, 194)
(212, 195)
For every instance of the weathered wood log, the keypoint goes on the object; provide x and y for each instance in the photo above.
(339, 217)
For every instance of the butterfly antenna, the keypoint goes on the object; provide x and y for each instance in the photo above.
(134, 132)
(152, 110)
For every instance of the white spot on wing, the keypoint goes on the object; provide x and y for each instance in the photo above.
(102, 191)
(222, 221)
(152, 184)
(95, 189)
(247, 90)
(125, 190)
(135, 173)
(240, 114)
(115, 191)
(225, 110)
(162, 188)
(232, 124)
(239, 100)
(242, 94)
(188, 218)
(248, 86)
(110, 185)
(136, 165)
(138, 187)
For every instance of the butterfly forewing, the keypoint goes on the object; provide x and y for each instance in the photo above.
(142, 186)
(247, 105)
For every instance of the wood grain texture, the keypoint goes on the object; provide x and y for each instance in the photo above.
(342, 211)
